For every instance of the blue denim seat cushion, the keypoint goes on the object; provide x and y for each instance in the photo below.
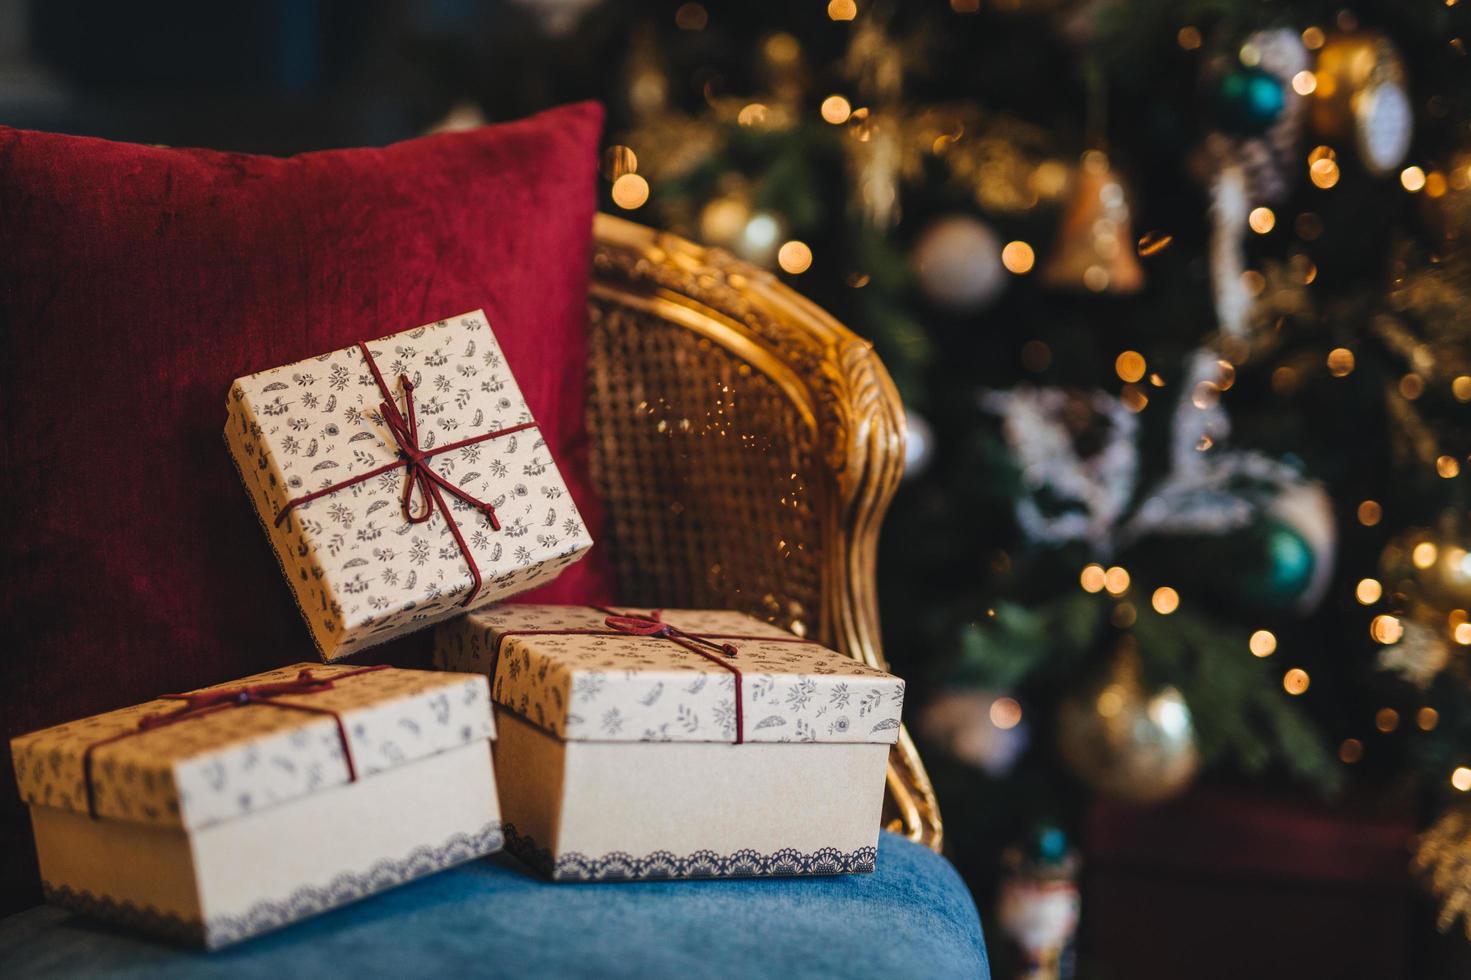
(912, 917)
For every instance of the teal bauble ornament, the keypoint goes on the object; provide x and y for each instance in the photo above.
(1048, 845)
(1272, 565)
(1249, 100)
(1285, 569)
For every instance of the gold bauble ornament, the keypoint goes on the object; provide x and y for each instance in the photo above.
(1429, 567)
(1094, 250)
(1360, 94)
(1426, 584)
(1125, 741)
(1447, 208)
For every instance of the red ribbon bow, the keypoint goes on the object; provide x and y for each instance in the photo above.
(431, 486)
(199, 703)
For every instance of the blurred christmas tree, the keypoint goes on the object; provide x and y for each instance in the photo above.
(1178, 295)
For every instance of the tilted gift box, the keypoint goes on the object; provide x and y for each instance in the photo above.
(401, 481)
(214, 816)
(681, 744)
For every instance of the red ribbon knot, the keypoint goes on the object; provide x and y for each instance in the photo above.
(406, 433)
(653, 625)
(403, 425)
(200, 703)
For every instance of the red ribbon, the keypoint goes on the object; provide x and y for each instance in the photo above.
(431, 486)
(653, 625)
(201, 703)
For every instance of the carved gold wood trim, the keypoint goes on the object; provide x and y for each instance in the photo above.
(840, 388)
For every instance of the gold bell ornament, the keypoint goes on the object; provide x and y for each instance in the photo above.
(1094, 249)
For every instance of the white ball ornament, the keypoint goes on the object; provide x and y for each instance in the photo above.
(1385, 123)
(919, 443)
(558, 17)
(957, 261)
(1362, 92)
(759, 238)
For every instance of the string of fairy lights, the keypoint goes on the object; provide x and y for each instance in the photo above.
(1324, 87)
(1384, 628)
(758, 235)
(1165, 600)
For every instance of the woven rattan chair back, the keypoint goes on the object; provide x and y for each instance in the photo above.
(746, 446)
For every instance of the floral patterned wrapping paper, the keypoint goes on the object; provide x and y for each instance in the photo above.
(630, 688)
(360, 571)
(240, 760)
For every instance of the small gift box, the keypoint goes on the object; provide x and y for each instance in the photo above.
(213, 816)
(682, 744)
(401, 481)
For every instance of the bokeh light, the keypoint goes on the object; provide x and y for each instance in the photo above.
(836, 110)
(1018, 258)
(1129, 366)
(630, 191)
(794, 257)
(1005, 713)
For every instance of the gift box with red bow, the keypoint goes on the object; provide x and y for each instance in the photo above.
(212, 816)
(682, 743)
(401, 481)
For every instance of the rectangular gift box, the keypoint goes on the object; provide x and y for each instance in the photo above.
(679, 744)
(214, 816)
(401, 482)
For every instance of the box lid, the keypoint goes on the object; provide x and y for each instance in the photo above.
(598, 683)
(228, 759)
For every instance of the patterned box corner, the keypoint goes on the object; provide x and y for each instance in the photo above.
(362, 573)
(626, 688)
(240, 760)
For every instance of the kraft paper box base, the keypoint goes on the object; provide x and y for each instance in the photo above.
(613, 811)
(243, 819)
(617, 755)
(243, 878)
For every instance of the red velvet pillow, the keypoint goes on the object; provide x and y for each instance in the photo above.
(137, 282)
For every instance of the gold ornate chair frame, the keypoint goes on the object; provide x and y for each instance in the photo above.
(746, 445)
